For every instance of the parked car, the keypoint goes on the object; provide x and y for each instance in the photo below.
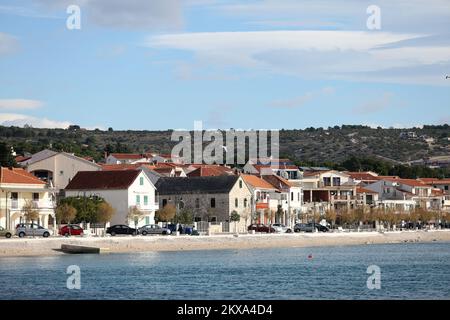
(281, 228)
(304, 227)
(120, 229)
(71, 230)
(261, 228)
(32, 229)
(5, 233)
(322, 228)
(153, 229)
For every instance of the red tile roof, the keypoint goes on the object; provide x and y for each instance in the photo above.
(434, 181)
(257, 182)
(18, 176)
(101, 180)
(364, 190)
(210, 171)
(363, 176)
(22, 158)
(116, 167)
(277, 181)
(409, 182)
(125, 156)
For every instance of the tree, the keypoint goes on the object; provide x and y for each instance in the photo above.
(134, 214)
(185, 216)
(105, 212)
(235, 217)
(65, 212)
(330, 215)
(6, 157)
(30, 212)
(167, 213)
(87, 207)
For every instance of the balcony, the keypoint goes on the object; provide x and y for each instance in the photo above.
(343, 198)
(37, 204)
(148, 206)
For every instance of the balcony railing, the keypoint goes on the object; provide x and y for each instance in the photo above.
(37, 204)
(343, 198)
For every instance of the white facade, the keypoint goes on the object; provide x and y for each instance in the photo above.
(13, 197)
(111, 159)
(141, 193)
(60, 168)
(405, 196)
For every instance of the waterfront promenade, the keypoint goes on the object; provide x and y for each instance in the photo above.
(50, 246)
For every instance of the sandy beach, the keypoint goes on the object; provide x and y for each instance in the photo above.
(50, 246)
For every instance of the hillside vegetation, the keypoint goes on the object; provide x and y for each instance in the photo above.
(312, 146)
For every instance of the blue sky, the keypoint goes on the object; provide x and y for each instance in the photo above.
(242, 64)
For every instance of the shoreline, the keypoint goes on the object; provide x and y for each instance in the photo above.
(49, 247)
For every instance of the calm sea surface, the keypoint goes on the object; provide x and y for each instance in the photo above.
(408, 271)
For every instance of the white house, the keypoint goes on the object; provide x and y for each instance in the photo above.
(127, 158)
(328, 189)
(290, 197)
(406, 194)
(57, 168)
(19, 189)
(284, 168)
(122, 189)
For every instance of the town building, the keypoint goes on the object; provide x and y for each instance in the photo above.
(122, 189)
(57, 168)
(328, 189)
(406, 194)
(19, 190)
(284, 168)
(210, 199)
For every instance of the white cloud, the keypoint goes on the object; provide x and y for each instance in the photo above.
(8, 44)
(20, 120)
(312, 54)
(396, 16)
(19, 104)
(130, 14)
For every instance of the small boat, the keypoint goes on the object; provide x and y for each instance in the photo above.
(75, 249)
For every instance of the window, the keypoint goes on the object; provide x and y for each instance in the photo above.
(327, 181)
(213, 202)
(236, 202)
(145, 200)
(240, 184)
(245, 203)
(292, 196)
(138, 200)
(147, 220)
(141, 181)
(446, 188)
(35, 196)
(197, 203)
(336, 181)
(197, 219)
